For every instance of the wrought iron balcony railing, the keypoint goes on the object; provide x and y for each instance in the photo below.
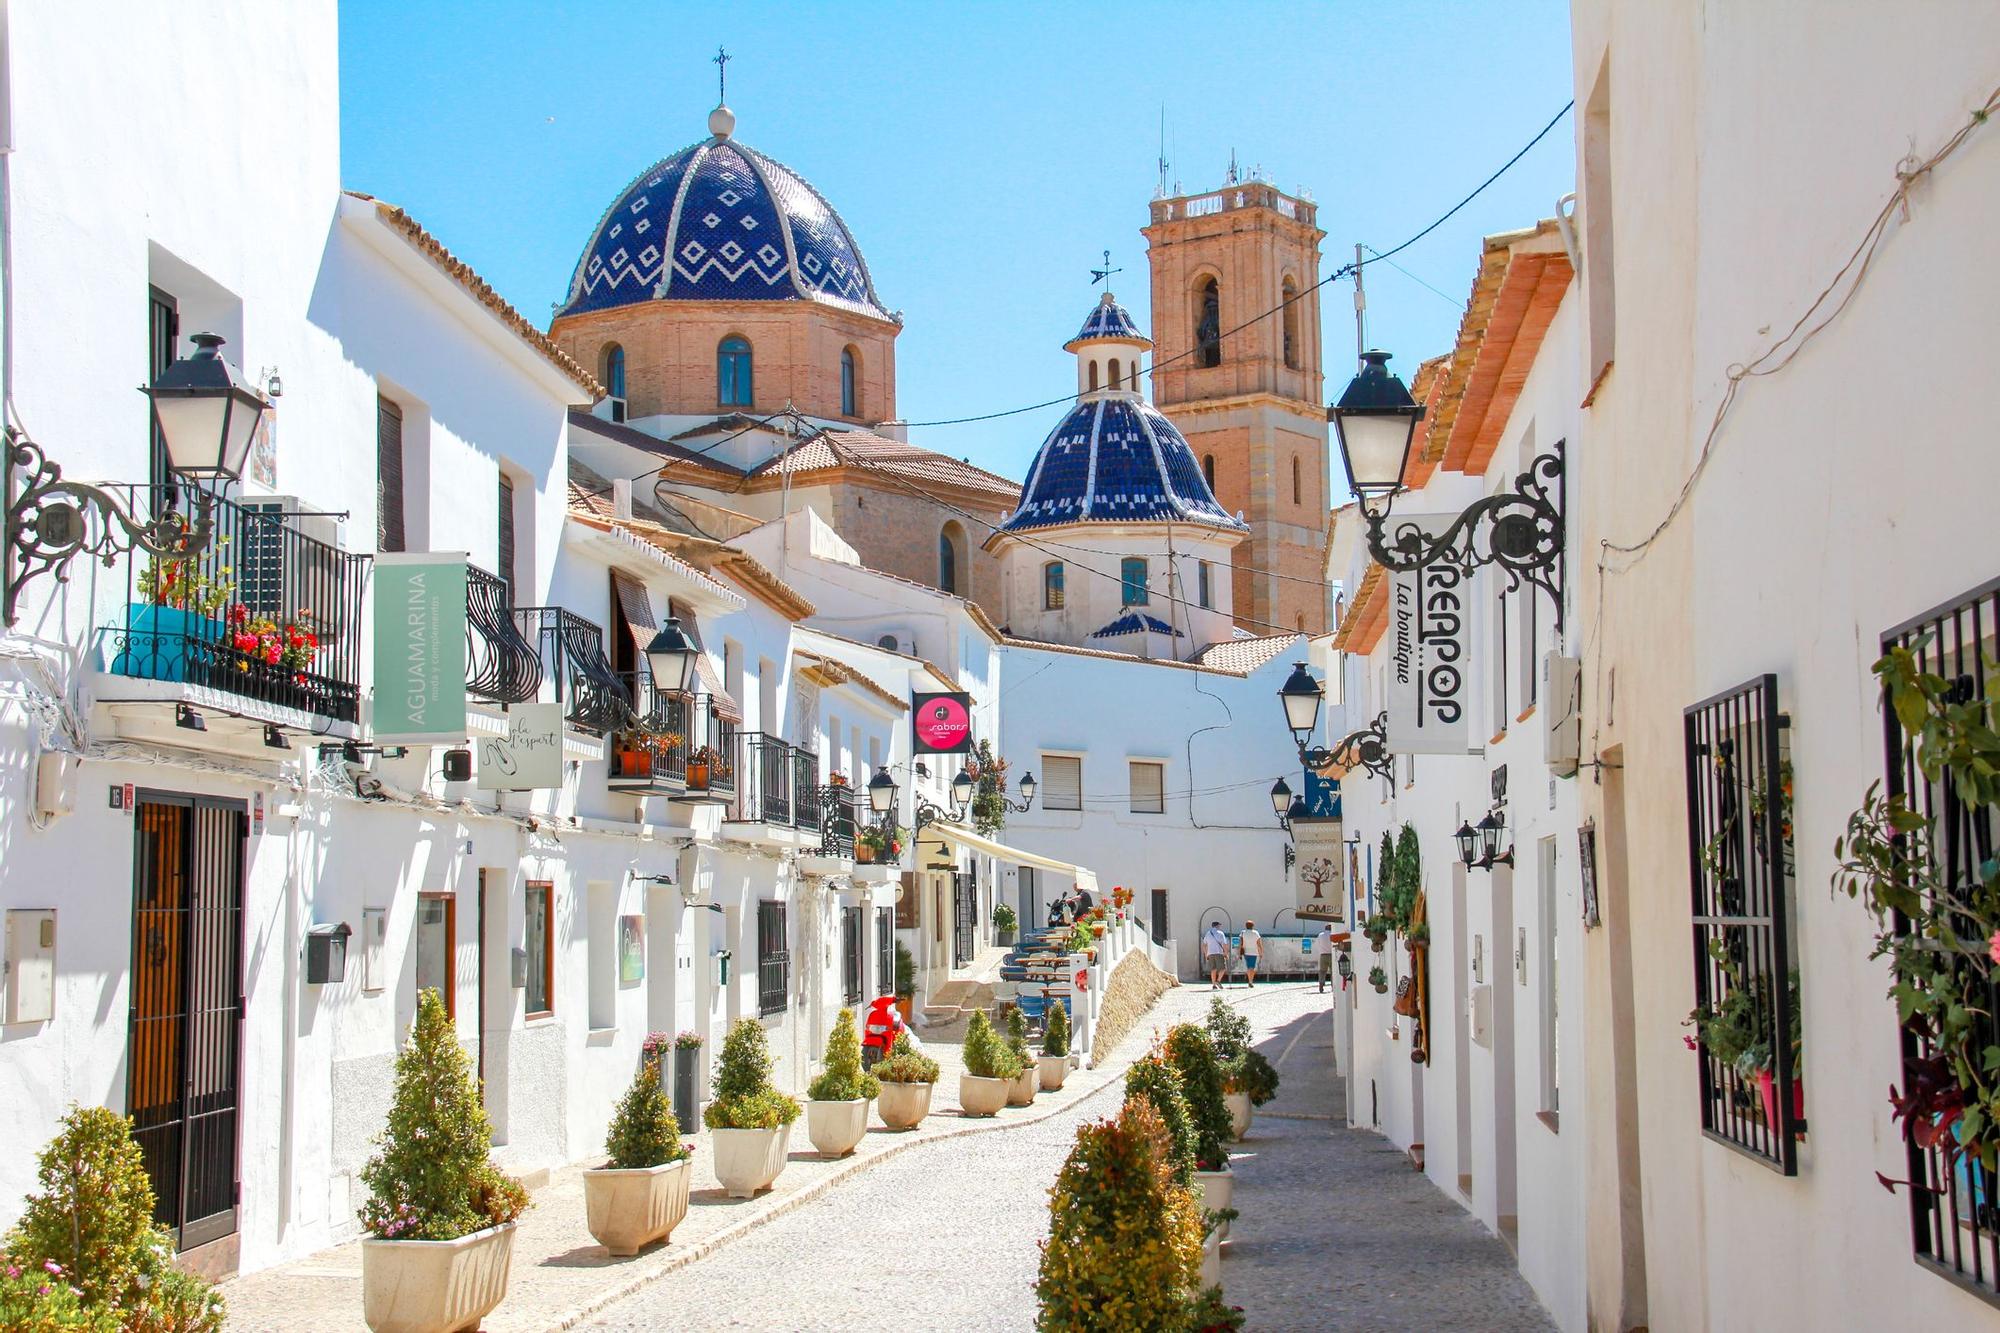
(764, 779)
(572, 654)
(267, 611)
(649, 753)
(502, 666)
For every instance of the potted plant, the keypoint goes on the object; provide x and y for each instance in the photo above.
(1378, 979)
(641, 1193)
(182, 604)
(906, 980)
(1248, 1081)
(1151, 1078)
(1080, 938)
(86, 1254)
(1004, 922)
(699, 765)
(837, 1101)
(439, 1214)
(751, 1120)
(1192, 1054)
(1736, 1031)
(1022, 1091)
(874, 843)
(1053, 1066)
(990, 1069)
(1229, 1032)
(906, 1078)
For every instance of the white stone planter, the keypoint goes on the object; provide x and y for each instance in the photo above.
(629, 1210)
(904, 1105)
(1021, 1089)
(982, 1096)
(1216, 1188)
(1239, 1113)
(1052, 1069)
(435, 1286)
(748, 1160)
(835, 1127)
(1211, 1263)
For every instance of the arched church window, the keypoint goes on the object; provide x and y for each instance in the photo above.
(1208, 470)
(1291, 325)
(1208, 323)
(612, 373)
(733, 387)
(951, 555)
(1093, 376)
(1114, 372)
(850, 398)
(1052, 586)
(1132, 575)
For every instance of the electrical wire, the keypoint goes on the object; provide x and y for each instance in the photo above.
(1447, 297)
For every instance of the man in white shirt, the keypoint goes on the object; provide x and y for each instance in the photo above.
(1215, 952)
(1323, 950)
(1252, 945)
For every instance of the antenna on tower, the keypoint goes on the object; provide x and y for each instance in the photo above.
(1163, 152)
(1232, 178)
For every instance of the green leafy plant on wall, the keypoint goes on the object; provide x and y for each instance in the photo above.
(1400, 878)
(989, 789)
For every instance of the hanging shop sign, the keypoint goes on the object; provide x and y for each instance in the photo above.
(419, 648)
(529, 755)
(1319, 893)
(941, 723)
(1430, 652)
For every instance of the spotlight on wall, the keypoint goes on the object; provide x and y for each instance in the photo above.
(274, 737)
(188, 720)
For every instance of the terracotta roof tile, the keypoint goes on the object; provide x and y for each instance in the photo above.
(832, 449)
(1244, 656)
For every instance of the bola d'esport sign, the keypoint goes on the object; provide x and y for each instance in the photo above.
(941, 723)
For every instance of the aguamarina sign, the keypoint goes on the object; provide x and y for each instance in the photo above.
(1430, 652)
(941, 723)
(419, 625)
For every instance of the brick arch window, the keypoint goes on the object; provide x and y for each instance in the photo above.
(1208, 322)
(611, 373)
(1208, 470)
(1093, 375)
(850, 389)
(733, 372)
(951, 556)
(1291, 291)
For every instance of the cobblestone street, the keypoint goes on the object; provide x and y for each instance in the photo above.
(1336, 1231)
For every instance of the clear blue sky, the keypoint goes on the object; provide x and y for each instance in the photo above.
(983, 155)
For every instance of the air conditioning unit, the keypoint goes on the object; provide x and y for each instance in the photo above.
(276, 572)
(1562, 705)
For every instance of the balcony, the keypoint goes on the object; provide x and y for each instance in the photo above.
(649, 755)
(777, 784)
(501, 665)
(712, 756)
(269, 615)
(571, 652)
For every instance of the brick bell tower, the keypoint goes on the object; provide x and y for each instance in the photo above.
(1251, 403)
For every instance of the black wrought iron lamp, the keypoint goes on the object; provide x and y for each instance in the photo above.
(1291, 809)
(961, 800)
(1367, 748)
(672, 656)
(1479, 846)
(207, 413)
(1520, 531)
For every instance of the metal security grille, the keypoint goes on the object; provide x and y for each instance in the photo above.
(1954, 1208)
(185, 1019)
(885, 952)
(850, 955)
(1739, 829)
(965, 905)
(388, 475)
(774, 961)
(163, 329)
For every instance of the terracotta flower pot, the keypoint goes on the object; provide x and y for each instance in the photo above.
(435, 1286)
(1021, 1090)
(904, 1105)
(748, 1160)
(864, 855)
(697, 776)
(1216, 1189)
(835, 1127)
(1052, 1069)
(627, 1210)
(1767, 1088)
(982, 1096)
(1240, 1112)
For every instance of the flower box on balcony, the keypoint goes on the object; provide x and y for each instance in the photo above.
(155, 643)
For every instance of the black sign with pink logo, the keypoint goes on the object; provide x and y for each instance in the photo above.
(941, 723)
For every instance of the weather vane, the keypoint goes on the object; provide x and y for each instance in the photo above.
(722, 59)
(1103, 275)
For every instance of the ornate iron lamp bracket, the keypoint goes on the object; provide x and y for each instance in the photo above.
(928, 814)
(1367, 748)
(49, 521)
(1520, 531)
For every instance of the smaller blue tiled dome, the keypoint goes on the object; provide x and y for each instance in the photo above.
(1108, 319)
(1115, 458)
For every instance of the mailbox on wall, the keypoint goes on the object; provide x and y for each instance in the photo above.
(30, 978)
(326, 954)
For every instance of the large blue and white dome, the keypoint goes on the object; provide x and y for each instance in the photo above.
(719, 221)
(1116, 458)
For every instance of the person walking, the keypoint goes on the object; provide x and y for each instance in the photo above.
(1252, 945)
(1215, 953)
(1323, 950)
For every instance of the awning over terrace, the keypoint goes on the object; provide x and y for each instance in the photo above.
(1084, 878)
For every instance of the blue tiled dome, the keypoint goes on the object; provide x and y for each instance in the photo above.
(719, 221)
(1108, 319)
(1116, 459)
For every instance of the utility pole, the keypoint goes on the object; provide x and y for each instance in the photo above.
(1360, 309)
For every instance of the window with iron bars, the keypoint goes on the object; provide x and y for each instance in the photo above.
(1740, 869)
(774, 960)
(885, 951)
(1955, 1201)
(850, 955)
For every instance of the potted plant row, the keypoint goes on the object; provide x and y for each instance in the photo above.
(1737, 1031)
(1053, 1065)
(906, 1077)
(837, 1101)
(990, 1069)
(1004, 923)
(1021, 1092)
(873, 844)
(440, 1217)
(641, 1193)
(1248, 1079)
(750, 1119)
(1191, 1051)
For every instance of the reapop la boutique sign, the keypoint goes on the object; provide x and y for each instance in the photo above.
(1430, 653)
(419, 647)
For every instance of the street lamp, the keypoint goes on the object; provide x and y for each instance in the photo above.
(1468, 844)
(961, 788)
(672, 656)
(1490, 829)
(1521, 530)
(1367, 748)
(207, 414)
(1281, 798)
(882, 792)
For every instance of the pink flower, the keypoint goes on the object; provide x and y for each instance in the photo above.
(1690, 1043)
(52, 1267)
(1993, 947)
